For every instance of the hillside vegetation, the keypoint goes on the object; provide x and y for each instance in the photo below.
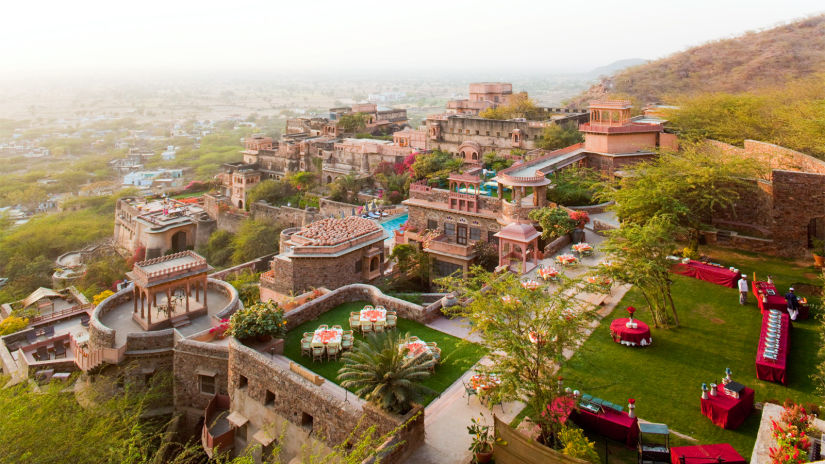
(752, 61)
(791, 115)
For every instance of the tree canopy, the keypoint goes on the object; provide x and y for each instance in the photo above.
(790, 116)
(687, 186)
(526, 332)
(519, 106)
(557, 136)
(435, 166)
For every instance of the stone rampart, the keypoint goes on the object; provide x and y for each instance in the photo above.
(359, 292)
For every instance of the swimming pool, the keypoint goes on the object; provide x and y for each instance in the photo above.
(394, 224)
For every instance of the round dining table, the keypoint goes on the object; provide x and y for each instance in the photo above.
(631, 336)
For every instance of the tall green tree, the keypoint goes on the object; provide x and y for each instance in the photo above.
(253, 240)
(638, 256)
(527, 333)
(557, 136)
(435, 166)
(274, 192)
(687, 186)
(303, 180)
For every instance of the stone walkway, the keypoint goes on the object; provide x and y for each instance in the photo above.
(447, 417)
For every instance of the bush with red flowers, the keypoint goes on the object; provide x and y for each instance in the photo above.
(220, 329)
(580, 218)
(791, 434)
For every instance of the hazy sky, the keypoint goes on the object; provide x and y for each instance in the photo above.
(110, 37)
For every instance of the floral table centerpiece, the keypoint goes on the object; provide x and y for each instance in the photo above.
(530, 284)
(566, 260)
(548, 273)
(583, 248)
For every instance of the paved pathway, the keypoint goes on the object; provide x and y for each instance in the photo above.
(446, 418)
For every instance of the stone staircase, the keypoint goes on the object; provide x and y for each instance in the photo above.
(179, 321)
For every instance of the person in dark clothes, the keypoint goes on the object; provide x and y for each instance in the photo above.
(793, 303)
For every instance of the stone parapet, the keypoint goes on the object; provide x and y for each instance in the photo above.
(359, 292)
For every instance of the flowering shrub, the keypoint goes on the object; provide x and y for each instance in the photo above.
(220, 329)
(580, 218)
(791, 434)
(264, 318)
(554, 222)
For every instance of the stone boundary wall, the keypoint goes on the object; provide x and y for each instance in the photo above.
(360, 292)
(150, 341)
(515, 448)
(256, 265)
(335, 208)
(229, 291)
(774, 156)
(553, 247)
(286, 216)
(190, 357)
(594, 209)
(398, 447)
(333, 418)
(599, 226)
(101, 336)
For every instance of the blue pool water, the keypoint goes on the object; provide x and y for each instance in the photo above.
(393, 224)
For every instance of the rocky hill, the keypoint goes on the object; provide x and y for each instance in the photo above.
(748, 62)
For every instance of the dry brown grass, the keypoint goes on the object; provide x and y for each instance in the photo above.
(748, 62)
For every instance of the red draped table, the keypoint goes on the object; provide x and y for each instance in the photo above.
(609, 423)
(630, 336)
(705, 454)
(726, 411)
(775, 301)
(708, 272)
(774, 370)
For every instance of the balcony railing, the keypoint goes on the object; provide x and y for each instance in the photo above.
(441, 244)
(623, 129)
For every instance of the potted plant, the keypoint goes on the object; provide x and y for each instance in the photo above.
(262, 320)
(482, 445)
(819, 251)
(581, 218)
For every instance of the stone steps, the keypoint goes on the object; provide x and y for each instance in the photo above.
(179, 321)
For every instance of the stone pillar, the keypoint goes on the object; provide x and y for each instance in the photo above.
(205, 288)
(187, 296)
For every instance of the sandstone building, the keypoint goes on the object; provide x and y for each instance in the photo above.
(159, 226)
(327, 253)
(462, 132)
(447, 222)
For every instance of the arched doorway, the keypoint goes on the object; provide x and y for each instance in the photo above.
(374, 264)
(329, 179)
(240, 204)
(179, 241)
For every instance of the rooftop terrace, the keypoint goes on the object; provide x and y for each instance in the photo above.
(329, 232)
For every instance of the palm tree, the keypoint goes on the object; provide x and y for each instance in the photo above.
(382, 374)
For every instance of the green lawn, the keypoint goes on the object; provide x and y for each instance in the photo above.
(716, 333)
(457, 355)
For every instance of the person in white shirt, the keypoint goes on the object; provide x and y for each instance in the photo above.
(743, 290)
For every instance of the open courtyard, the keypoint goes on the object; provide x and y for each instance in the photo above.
(457, 355)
